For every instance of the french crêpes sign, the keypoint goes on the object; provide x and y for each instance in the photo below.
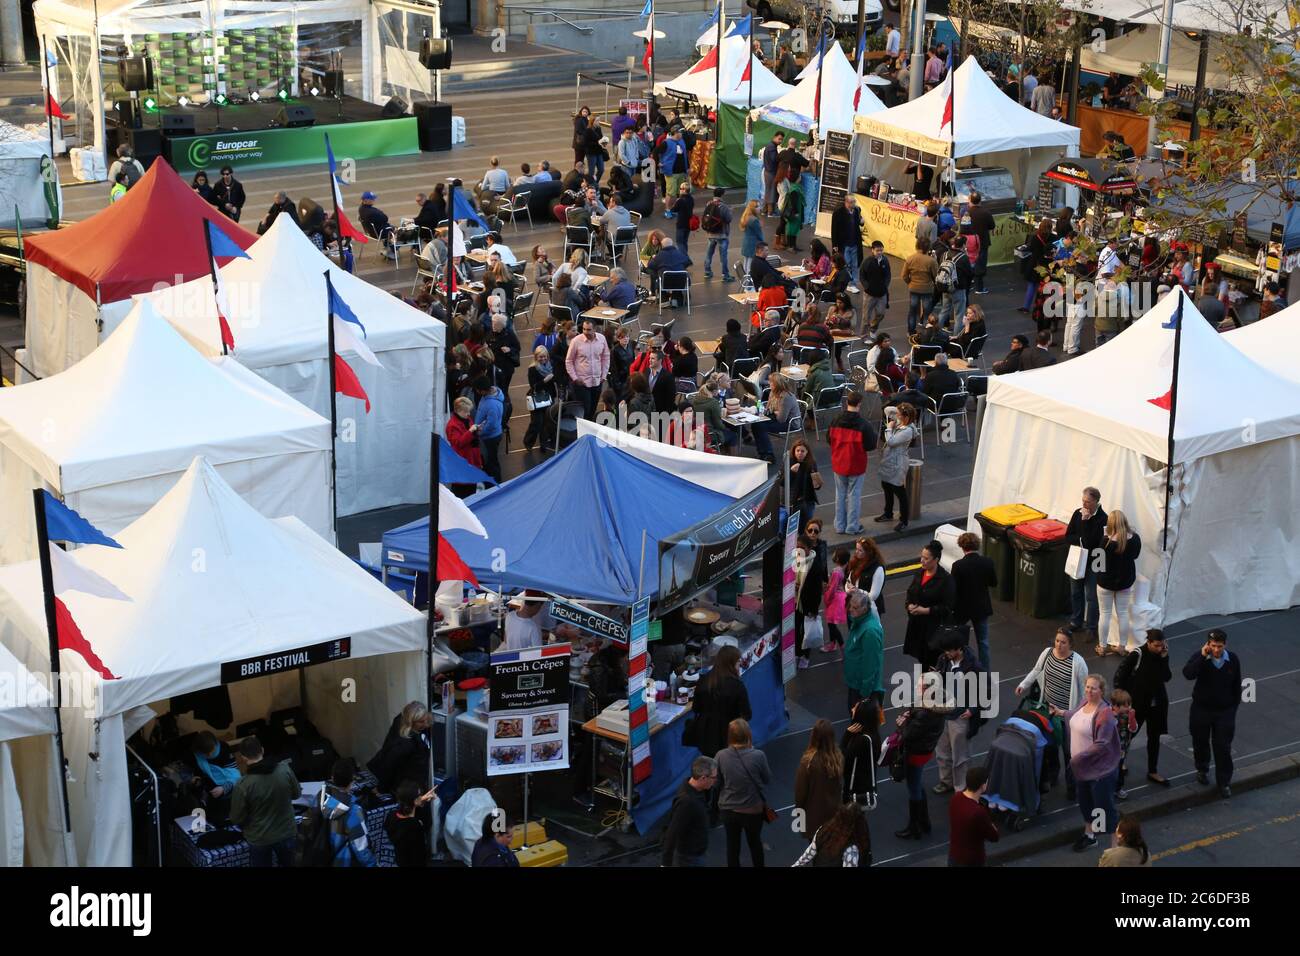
(528, 710)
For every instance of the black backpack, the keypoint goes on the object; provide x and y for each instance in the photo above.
(317, 845)
(712, 218)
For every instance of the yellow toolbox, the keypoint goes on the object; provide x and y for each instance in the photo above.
(550, 853)
(536, 834)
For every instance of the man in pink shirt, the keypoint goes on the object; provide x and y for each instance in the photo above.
(933, 69)
(588, 364)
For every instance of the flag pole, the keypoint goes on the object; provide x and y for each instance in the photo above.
(334, 410)
(751, 62)
(821, 65)
(334, 197)
(435, 471)
(52, 630)
(650, 104)
(212, 269)
(1173, 414)
(450, 277)
(717, 81)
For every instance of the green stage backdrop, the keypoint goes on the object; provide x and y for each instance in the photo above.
(294, 147)
(727, 165)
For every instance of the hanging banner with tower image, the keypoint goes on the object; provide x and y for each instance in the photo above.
(699, 557)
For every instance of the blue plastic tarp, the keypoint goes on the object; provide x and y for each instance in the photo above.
(570, 526)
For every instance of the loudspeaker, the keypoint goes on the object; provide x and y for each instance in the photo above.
(294, 115)
(333, 83)
(146, 145)
(435, 53)
(178, 124)
(135, 73)
(394, 108)
(128, 113)
(433, 120)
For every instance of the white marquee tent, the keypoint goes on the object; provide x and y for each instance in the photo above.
(796, 109)
(1234, 530)
(701, 80)
(1129, 54)
(380, 40)
(31, 803)
(277, 303)
(115, 431)
(266, 587)
(986, 124)
(22, 187)
(1273, 342)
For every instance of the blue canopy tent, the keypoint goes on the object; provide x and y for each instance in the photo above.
(570, 526)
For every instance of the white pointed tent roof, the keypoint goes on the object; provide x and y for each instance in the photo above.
(986, 120)
(25, 709)
(795, 110)
(702, 83)
(263, 586)
(142, 404)
(277, 301)
(1106, 392)
(1273, 342)
(1127, 54)
(709, 37)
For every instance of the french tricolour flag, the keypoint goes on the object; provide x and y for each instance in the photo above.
(947, 103)
(64, 524)
(222, 246)
(862, 61)
(345, 225)
(345, 321)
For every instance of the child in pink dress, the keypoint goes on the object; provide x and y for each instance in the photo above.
(833, 601)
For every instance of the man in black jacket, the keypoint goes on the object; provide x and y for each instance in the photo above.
(846, 233)
(973, 575)
(941, 381)
(763, 340)
(663, 386)
(981, 225)
(283, 206)
(1087, 528)
(1213, 717)
(770, 152)
(1012, 362)
(874, 277)
(1144, 674)
(686, 840)
(1040, 356)
(760, 268)
(229, 193)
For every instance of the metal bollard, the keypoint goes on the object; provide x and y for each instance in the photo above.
(913, 485)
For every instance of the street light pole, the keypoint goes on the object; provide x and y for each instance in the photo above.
(916, 66)
(1162, 67)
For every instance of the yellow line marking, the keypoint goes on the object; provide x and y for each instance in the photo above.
(1220, 837)
(903, 570)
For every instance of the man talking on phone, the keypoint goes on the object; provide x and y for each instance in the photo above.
(1213, 717)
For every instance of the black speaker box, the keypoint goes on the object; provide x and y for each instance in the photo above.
(435, 53)
(128, 113)
(433, 120)
(146, 144)
(294, 115)
(135, 73)
(394, 108)
(178, 124)
(333, 83)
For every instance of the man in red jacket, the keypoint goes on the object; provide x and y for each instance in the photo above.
(969, 821)
(851, 437)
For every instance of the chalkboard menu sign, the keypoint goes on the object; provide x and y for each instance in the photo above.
(834, 184)
(838, 145)
(1045, 190)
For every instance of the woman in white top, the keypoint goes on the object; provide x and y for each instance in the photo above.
(1061, 675)
(575, 292)
(866, 572)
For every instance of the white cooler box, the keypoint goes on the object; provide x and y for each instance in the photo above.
(88, 165)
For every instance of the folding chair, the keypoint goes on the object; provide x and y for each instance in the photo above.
(744, 367)
(794, 426)
(424, 270)
(522, 313)
(675, 282)
(829, 398)
(809, 355)
(951, 405)
(634, 315)
(559, 313)
(577, 237)
(515, 206)
(663, 329)
(624, 238)
(921, 354)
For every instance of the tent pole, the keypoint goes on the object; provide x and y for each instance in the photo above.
(334, 411)
(640, 577)
(49, 117)
(52, 631)
(717, 83)
(212, 268)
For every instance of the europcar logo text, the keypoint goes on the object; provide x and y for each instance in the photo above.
(200, 153)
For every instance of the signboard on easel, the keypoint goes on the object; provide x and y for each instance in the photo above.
(834, 181)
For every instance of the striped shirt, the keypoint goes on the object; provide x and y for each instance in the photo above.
(1058, 677)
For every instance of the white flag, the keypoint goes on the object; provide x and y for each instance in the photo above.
(453, 515)
(69, 575)
(345, 341)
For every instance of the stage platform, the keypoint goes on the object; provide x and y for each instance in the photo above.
(249, 135)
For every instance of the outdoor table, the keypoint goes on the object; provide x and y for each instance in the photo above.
(794, 272)
(956, 364)
(602, 313)
(744, 298)
(478, 255)
(707, 346)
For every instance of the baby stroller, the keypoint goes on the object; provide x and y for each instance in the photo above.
(1015, 765)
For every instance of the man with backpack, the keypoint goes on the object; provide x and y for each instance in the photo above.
(262, 806)
(716, 223)
(953, 283)
(851, 436)
(344, 820)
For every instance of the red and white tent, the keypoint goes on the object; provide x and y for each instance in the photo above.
(83, 276)
(1234, 530)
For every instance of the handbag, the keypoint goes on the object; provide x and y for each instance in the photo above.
(816, 481)
(813, 633)
(769, 815)
(1076, 562)
(536, 402)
